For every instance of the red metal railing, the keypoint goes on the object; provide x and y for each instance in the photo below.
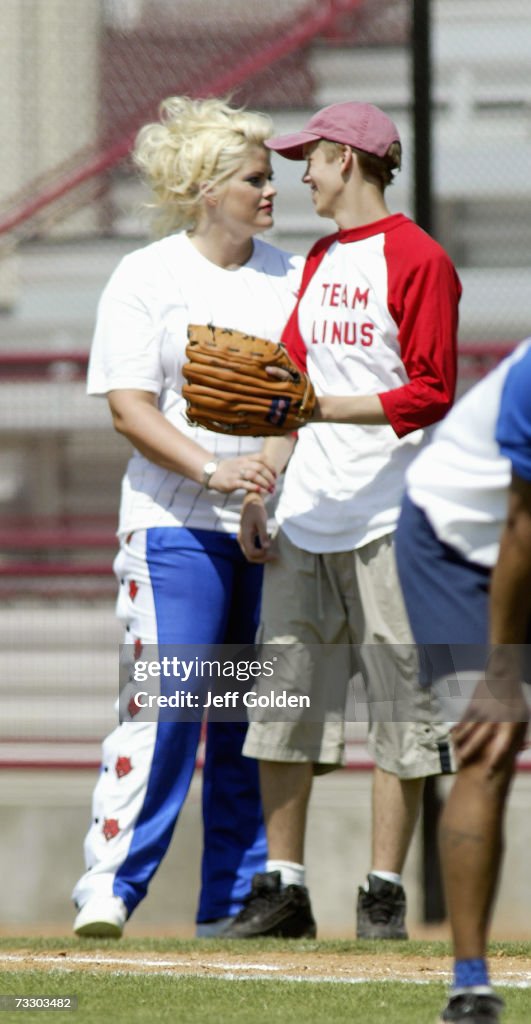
(475, 359)
(311, 22)
(30, 553)
(357, 761)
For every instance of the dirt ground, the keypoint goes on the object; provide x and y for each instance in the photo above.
(308, 965)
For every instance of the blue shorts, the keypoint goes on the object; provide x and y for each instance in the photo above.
(446, 598)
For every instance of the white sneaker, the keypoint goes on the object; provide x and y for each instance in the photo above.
(101, 917)
(209, 929)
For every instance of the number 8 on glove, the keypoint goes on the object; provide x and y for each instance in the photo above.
(229, 391)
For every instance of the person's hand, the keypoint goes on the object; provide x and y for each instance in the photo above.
(278, 372)
(244, 472)
(366, 409)
(503, 739)
(281, 374)
(495, 721)
(253, 537)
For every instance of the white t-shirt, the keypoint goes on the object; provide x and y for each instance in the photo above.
(377, 316)
(140, 341)
(460, 480)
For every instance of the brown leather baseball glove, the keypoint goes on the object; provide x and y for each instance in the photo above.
(229, 391)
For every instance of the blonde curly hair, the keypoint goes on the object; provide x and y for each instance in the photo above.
(196, 144)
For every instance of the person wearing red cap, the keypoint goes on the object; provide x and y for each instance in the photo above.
(375, 328)
(356, 125)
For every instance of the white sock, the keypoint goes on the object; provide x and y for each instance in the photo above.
(388, 876)
(290, 872)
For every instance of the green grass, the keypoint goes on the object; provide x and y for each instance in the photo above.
(114, 998)
(414, 947)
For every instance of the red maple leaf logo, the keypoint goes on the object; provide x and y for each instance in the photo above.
(133, 589)
(123, 766)
(110, 828)
(138, 647)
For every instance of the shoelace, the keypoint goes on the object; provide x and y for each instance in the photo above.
(381, 910)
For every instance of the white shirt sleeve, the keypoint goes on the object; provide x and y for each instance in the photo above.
(125, 350)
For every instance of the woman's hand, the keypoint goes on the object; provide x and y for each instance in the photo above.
(245, 472)
(136, 415)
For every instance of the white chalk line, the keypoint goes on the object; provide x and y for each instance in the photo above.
(231, 972)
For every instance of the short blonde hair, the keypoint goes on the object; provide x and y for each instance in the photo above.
(196, 143)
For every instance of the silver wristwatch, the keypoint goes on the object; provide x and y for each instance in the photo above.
(208, 472)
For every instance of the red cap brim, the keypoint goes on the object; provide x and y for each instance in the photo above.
(291, 146)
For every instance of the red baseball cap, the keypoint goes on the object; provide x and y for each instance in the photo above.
(361, 125)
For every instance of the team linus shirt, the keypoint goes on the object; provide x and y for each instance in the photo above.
(377, 315)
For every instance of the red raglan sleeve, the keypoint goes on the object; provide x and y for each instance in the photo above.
(291, 335)
(423, 298)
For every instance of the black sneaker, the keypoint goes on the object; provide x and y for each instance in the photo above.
(270, 910)
(381, 910)
(468, 1007)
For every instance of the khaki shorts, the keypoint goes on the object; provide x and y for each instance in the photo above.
(352, 603)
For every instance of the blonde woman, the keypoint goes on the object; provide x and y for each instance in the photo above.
(182, 577)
